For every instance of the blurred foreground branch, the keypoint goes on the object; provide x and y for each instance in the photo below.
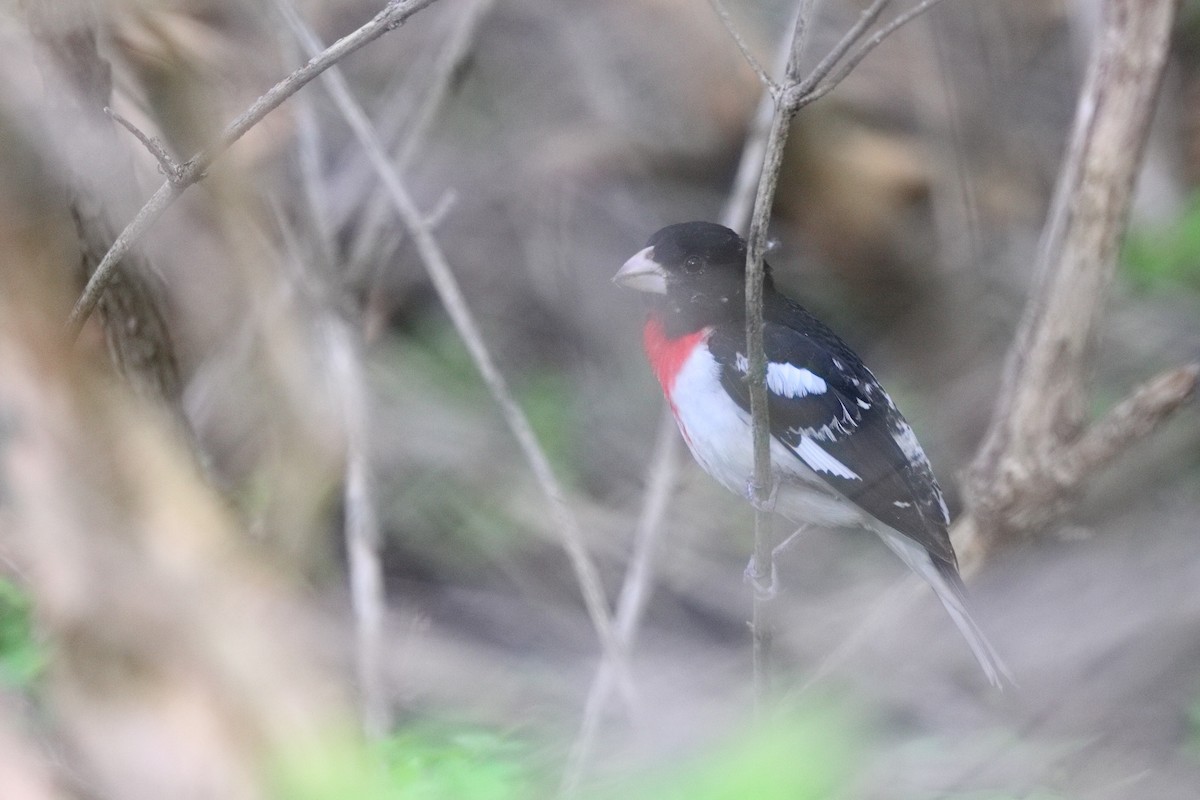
(1039, 452)
(181, 662)
(395, 14)
(79, 85)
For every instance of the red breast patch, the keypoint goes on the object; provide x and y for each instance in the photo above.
(667, 356)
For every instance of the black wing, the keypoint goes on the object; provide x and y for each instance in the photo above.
(829, 410)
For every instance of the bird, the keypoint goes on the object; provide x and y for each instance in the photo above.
(842, 454)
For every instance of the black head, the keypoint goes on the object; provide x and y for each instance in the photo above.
(698, 267)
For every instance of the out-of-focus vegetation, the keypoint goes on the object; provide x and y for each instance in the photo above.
(22, 657)
(1166, 256)
(419, 762)
(806, 757)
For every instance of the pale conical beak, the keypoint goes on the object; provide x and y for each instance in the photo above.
(643, 273)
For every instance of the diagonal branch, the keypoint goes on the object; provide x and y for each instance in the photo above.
(151, 143)
(394, 14)
(1038, 451)
(456, 49)
(450, 293)
(763, 76)
(820, 89)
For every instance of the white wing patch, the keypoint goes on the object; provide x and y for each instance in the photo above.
(790, 381)
(906, 440)
(818, 460)
(787, 380)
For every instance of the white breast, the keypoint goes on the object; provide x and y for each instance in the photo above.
(719, 435)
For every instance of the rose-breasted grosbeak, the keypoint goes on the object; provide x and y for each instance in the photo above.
(841, 453)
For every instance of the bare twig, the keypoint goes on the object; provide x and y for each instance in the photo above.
(152, 143)
(1131, 419)
(308, 163)
(816, 92)
(449, 60)
(448, 290)
(1037, 452)
(343, 351)
(391, 17)
(635, 591)
(865, 20)
(723, 14)
(362, 531)
(740, 203)
(756, 374)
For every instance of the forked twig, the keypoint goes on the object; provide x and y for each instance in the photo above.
(394, 14)
(168, 165)
(795, 92)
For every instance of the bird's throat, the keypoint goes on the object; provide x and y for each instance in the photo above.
(668, 355)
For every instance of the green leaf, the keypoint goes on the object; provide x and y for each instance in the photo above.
(21, 657)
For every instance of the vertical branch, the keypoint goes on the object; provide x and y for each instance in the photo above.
(763, 567)
(664, 464)
(367, 596)
(793, 93)
(762, 490)
(344, 354)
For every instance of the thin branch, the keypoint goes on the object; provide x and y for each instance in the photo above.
(762, 488)
(852, 61)
(450, 293)
(362, 534)
(391, 17)
(635, 591)
(454, 51)
(756, 376)
(343, 355)
(157, 149)
(308, 162)
(1130, 420)
(865, 20)
(740, 203)
(723, 14)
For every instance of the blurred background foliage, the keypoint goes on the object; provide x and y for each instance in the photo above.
(174, 590)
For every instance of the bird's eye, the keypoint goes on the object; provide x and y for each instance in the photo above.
(692, 264)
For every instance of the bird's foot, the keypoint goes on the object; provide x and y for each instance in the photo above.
(765, 585)
(767, 504)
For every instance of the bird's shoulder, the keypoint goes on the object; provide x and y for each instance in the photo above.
(816, 384)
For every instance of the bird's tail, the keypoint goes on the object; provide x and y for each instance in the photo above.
(948, 587)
